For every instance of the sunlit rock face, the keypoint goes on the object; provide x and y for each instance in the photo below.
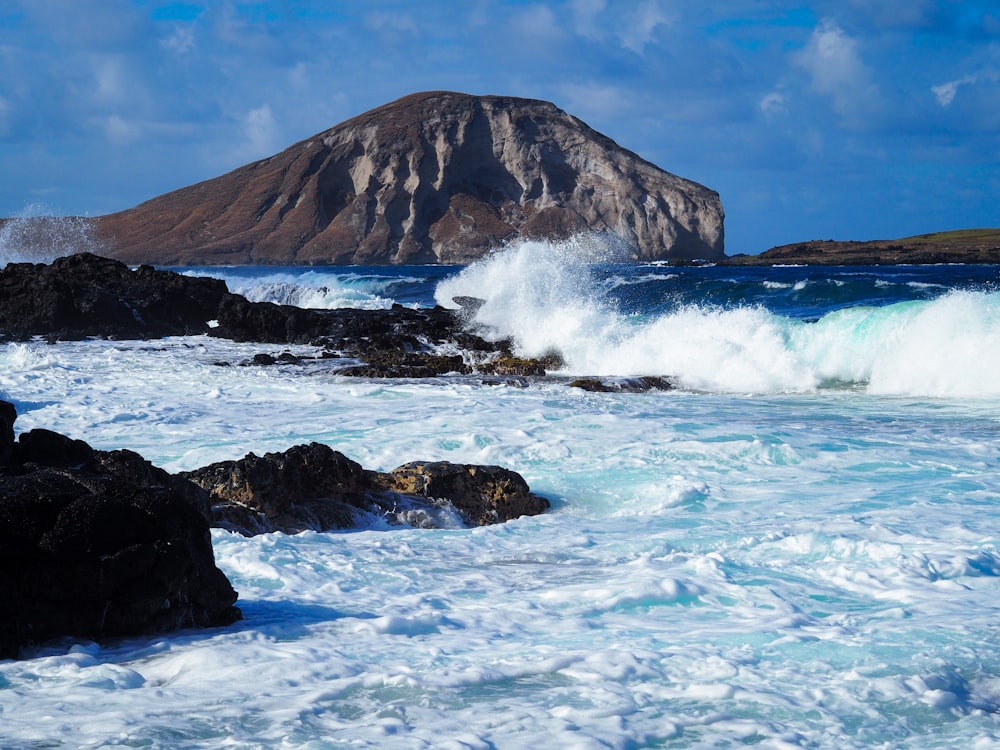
(431, 178)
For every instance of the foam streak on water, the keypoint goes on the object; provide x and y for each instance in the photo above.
(816, 566)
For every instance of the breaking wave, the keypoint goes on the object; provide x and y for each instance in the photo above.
(549, 297)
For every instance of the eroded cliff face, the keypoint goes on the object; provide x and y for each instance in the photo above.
(431, 178)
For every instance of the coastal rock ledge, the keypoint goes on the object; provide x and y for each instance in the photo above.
(436, 177)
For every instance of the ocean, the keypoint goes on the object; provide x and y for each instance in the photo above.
(798, 546)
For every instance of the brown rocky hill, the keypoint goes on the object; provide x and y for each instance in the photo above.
(959, 246)
(435, 177)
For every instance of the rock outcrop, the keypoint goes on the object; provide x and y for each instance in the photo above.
(98, 546)
(315, 487)
(431, 178)
(85, 295)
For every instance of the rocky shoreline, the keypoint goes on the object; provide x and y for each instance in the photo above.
(102, 544)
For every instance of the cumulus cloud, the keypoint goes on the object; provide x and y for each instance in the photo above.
(181, 41)
(586, 17)
(537, 21)
(110, 79)
(396, 22)
(119, 131)
(834, 63)
(261, 132)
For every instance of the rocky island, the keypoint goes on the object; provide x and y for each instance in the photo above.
(437, 177)
(961, 246)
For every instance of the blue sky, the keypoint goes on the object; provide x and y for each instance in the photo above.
(849, 119)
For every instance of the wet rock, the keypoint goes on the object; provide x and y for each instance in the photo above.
(85, 295)
(306, 487)
(483, 495)
(97, 546)
(623, 385)
(315, 487)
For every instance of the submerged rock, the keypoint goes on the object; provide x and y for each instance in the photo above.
(99, 546)
(315, 487)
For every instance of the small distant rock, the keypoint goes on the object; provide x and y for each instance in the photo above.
(623, 385)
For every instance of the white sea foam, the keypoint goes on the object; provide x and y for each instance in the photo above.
(817, 568)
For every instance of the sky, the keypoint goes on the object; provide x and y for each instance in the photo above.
(827, 119)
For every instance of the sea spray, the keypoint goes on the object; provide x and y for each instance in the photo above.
(564, 297)
(328, 288)
(37, 236)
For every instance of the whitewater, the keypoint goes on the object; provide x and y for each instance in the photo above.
(798, 546)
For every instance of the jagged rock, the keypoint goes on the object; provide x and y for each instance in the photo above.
(315, 487)
(7, 416)
(306, 487)
(85, 295)
(435, 177)
(483, 495)
(86, 554)
(623, 384)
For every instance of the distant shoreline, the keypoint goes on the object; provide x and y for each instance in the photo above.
(981, 246)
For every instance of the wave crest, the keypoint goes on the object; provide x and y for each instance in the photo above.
(546, 296)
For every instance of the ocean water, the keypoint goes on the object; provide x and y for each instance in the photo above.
(797, 547)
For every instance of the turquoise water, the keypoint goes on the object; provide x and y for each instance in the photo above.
(798, 547)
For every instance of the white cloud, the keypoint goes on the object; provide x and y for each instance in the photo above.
(109, 79)
(773, 103)
(641, 26)
(945, 93)
(261, 132)
(119, 131)
(392, 22)
(593, 102)
(5, 110)
(181, 41)
(833, 61)
(537, 21)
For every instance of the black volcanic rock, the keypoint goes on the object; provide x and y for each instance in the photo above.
(315, 487)
(86, 553)
(85, 295)
(436, 177)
